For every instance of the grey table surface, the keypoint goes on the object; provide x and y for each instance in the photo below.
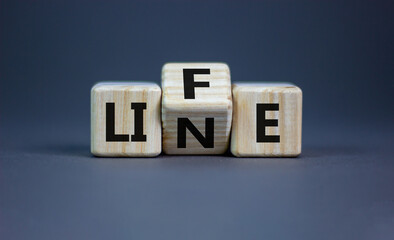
(341, 187)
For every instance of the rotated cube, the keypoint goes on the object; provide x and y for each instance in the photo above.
(196, 108)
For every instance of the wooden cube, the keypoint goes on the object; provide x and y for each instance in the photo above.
(267, 120)
(196, 108)
(125, 119)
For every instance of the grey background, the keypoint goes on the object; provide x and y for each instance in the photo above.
(339, 52)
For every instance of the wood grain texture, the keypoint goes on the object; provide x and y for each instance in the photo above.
(243, 138)
(214, 101)
(123, 94)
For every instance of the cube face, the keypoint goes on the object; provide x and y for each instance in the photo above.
(267, 120)
(197, 94)
(125, 119)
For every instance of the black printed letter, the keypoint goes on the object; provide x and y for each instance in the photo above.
(262, 122)
(138, 122)
(189, 84)
(110, 126)
(206, 142)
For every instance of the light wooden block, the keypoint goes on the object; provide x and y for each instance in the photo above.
(200, 106)
(256, 107)
(117, 111)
